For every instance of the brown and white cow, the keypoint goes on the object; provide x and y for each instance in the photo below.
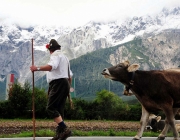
(155, 123)
(155, 90)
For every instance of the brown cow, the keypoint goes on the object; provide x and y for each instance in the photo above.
(155, 90)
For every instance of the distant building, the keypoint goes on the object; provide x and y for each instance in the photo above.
(9, 83)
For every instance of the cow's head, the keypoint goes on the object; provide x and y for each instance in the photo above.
(120, 72)
(152, 122)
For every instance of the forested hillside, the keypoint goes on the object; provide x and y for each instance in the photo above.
(87, 73)
(2, 90)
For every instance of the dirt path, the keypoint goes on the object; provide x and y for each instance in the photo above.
(17, 126)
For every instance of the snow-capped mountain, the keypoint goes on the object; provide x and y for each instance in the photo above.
(93, 35)
(15, 42)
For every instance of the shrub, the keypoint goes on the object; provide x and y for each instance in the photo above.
(19, 99)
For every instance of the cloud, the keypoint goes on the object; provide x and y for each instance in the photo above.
(76, 12)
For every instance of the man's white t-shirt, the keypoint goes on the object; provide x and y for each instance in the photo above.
(60, 65)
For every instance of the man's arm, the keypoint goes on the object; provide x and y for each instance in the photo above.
(41, 68)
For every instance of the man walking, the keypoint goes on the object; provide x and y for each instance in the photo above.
(58, 76)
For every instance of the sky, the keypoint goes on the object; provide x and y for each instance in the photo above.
(76, 13)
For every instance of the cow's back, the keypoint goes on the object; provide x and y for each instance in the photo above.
(158, 87)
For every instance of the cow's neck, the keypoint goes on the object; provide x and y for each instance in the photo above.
(131, 81)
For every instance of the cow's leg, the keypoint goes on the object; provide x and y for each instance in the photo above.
(143, 123)
(164, 131)
(169, 121)
(166, 127)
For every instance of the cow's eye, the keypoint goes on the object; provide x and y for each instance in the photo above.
(120, 66)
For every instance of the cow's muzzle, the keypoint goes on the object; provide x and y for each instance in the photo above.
(105, 72)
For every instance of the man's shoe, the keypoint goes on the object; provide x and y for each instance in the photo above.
(58, 130)
(62, 133)
(65, 134)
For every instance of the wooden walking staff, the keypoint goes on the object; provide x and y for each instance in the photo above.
(33, 106)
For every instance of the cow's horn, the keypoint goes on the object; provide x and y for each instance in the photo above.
(126, 63)
(158, 118)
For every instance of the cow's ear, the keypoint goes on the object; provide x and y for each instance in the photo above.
(133, 67)
(158, 118)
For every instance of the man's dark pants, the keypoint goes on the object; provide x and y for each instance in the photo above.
(58, 92)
